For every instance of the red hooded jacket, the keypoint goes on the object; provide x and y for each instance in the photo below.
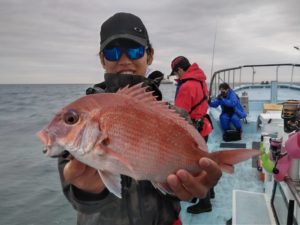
(190, 93)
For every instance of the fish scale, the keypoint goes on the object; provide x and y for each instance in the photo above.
(153, 148)
(135, 132)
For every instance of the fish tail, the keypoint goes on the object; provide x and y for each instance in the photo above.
(228, 158)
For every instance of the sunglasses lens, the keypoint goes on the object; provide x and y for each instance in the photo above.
(112, 54)
(135, 53)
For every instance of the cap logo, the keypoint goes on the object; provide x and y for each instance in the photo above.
(137, 29)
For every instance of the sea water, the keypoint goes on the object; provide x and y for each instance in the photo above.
(30, 190)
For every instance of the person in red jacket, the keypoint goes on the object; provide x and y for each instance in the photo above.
(192, 96)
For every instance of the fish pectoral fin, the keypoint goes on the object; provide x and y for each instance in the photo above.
(104, 150)
(112, 182)
(163, 188)
(104, 139)
(101, 146)
(120, 159)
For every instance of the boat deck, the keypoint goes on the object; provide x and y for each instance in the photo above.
(246, 177)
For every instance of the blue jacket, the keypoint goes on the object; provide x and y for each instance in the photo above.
(231, 101)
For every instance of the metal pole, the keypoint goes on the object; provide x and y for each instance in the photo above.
(240, 77)
(292, 74)
(253, 73)
(213, 53)
(233, 79)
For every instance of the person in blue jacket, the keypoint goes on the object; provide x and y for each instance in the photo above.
(232, 110)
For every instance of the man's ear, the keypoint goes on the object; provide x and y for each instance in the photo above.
(150, 54)
(180, 70)
(101, 57)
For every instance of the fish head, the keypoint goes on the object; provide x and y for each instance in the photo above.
(75, 129)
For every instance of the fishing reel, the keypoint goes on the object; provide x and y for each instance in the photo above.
(280, 158)
(291, 115)
(275, 148)
(269, 162)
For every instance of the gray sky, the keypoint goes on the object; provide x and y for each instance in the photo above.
(52, 41)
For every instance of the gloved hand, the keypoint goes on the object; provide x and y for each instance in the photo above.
(220, 97)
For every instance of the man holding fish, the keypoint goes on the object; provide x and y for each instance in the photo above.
(125, 166)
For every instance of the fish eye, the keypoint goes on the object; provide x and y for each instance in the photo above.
(71, 117)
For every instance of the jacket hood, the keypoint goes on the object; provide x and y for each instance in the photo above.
(194, 72)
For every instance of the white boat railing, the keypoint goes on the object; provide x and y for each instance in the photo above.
(254, 75)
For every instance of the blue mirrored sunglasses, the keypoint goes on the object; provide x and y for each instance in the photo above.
(114, 54)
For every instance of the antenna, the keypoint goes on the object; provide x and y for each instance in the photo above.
(213, 53)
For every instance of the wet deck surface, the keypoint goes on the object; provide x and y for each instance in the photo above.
(244, 178)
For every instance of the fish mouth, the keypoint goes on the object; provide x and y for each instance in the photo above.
(55, 151)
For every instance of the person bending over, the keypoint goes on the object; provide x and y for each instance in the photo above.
(232, 110)
(191, 95)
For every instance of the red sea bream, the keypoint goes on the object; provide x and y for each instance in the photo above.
(131, 133)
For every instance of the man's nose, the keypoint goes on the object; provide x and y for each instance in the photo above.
(124, 59)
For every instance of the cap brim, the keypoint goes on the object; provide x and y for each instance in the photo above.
(139, 40)
(172, 73)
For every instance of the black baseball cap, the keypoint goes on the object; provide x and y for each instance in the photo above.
(123, 26)
(179, 61)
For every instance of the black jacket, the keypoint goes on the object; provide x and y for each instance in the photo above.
(141, 203)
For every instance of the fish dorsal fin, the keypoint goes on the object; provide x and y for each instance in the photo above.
(139, 94)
